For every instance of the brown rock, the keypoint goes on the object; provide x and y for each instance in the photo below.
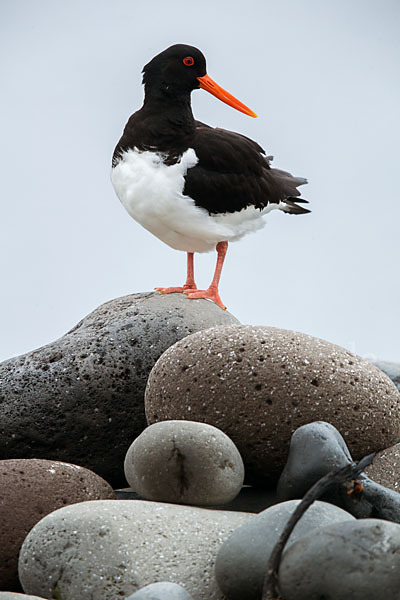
(259, 384)
(29, 490)
(385, 469)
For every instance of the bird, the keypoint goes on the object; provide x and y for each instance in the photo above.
(193, 186)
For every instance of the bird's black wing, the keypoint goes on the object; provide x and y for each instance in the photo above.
(233, 172)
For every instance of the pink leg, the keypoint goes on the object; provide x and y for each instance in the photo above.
(212, 292)
(189, 285)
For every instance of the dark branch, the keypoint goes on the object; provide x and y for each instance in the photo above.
(336, 477)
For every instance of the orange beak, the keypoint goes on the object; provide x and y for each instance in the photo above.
(206, 83)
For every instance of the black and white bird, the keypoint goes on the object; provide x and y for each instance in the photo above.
(193, 186)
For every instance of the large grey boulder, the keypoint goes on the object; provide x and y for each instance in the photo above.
(242, 560)
(108, 549)
(80, 399)
(358, 560)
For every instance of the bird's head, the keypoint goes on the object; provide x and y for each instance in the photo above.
(179, 70)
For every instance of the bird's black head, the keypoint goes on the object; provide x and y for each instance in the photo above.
(175, 71)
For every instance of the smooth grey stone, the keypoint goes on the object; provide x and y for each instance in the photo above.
(358, 560)
(242, 559)
(184, 462)
(107, 549)
(391, 369)
(315, 450)
(162, 590)
(80, 399)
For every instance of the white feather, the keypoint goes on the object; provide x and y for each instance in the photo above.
(152, 193)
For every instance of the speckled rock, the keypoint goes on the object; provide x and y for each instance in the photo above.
(242, 559)
(391, 369)
(163, 590)
(30, 489)
(386, 468)
(184, 462)
(315, 449)
(16, 596)
(80, 398)
(358, 560)
(111, 548)
(259, 384)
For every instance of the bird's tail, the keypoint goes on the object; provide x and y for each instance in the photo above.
(292, 208)
(289, 185)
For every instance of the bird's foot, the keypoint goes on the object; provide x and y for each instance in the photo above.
(210, 294)
(177, 290)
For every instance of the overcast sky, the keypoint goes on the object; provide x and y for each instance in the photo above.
(323, 77)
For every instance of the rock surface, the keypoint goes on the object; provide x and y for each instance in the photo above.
(184, 462)
(259, 384)
(354, 559)
(80, 398)
(386, 468)
(108, 549)
(315, 449)
(242, 559)
(162, 590)
(391, 369)
(29, 490)
(16, 596)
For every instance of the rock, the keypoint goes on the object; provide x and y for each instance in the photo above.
(30, 489)
(242, 560)
(386, 468)
(391, 369)
(80, 398)
(111, 548)
(16, 596)
(184, 462)
(259, 384)
(374, 501)
(315, 449)
(354, 559)
(162, 590)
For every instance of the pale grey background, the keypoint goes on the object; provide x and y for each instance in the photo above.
(323, 77)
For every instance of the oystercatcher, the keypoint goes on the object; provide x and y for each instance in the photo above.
(193, 186)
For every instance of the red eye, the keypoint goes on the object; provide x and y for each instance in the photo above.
(188, 61)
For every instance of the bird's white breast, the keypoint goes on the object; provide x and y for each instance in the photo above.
(152, 193)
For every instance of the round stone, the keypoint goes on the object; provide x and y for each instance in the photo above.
(354, 559)
(259, 384)
(242, 560)
(29, 490)
(80, 399)
(184, 462)
(108, 549)
(385, 468)
(163, 590)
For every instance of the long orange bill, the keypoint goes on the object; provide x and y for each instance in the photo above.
(206, 83)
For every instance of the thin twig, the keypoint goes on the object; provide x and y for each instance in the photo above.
(338, 476)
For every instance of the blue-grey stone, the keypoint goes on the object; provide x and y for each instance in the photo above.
(242, 559)
(162, 590)
(358, 560)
